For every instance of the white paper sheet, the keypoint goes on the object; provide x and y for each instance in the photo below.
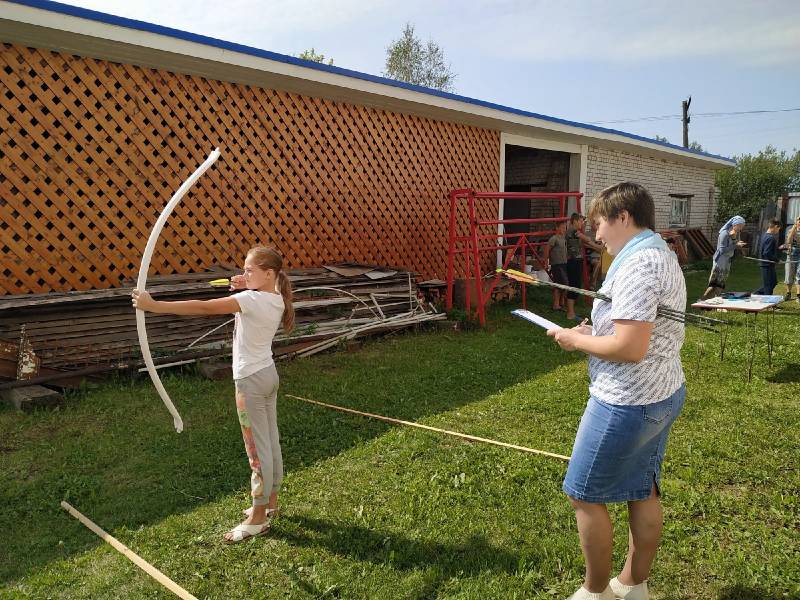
(534, 318)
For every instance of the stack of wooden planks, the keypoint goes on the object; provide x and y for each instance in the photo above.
(698, 243)
(70, 332)
(689, 244)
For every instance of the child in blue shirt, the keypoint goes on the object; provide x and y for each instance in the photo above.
(768, 255)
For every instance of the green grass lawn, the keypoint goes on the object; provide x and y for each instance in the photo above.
(375, 511)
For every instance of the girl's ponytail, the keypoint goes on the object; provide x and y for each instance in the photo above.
(269, 258)
(285, 287)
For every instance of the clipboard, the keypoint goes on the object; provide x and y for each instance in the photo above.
(535, 319)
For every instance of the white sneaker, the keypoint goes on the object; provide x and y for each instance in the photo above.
(629, 592)
(584, 594)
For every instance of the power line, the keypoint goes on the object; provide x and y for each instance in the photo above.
(710, 114)
(744, 112)
(740, 132)
(661, 118)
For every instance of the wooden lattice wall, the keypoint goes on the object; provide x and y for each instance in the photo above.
(91, 151)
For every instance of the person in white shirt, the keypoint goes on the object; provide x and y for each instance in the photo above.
(264, 304)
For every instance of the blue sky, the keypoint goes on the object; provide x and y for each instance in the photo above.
(582, 60)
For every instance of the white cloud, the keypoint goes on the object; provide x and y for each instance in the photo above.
(752, 33)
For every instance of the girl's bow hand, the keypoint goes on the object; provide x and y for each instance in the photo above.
(142, 300)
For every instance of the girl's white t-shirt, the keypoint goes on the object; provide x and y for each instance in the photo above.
(258, 319)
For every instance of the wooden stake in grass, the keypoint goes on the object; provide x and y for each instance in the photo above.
(130, 554)
(463, 436)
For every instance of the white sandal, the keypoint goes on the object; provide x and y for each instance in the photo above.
(271, 512)
(244, 532)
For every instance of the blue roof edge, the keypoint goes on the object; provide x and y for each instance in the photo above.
(101, 17)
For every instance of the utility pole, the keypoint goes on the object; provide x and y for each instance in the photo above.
(686, 120)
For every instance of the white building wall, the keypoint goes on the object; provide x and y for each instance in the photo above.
(606, 167)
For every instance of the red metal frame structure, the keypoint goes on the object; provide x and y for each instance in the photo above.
(471, 246)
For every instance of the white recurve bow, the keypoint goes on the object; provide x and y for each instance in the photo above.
(141, 282)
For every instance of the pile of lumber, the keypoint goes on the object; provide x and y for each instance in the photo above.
(698, 243)
(677, 242)
(76, 333)
(689, 244)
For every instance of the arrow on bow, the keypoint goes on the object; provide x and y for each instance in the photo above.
(141, 283)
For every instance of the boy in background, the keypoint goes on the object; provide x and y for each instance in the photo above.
(555, 257)
(768, 254)
(576, 239)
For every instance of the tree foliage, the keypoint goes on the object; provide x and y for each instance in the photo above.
(692, 145)
(409, 59)
(314, 57)
(755, 181)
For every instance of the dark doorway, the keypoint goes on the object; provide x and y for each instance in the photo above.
(533, 170)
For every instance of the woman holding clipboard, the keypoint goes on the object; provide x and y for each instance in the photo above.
(637, 390)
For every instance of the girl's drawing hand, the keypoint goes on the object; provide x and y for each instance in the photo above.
(238, 282)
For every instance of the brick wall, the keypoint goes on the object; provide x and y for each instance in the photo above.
(528, 166)
(607, 167)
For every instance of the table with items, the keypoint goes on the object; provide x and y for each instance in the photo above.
(749, 305)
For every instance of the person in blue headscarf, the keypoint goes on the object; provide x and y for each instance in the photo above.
(727, 242)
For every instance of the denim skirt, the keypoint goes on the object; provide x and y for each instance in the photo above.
(619, 449)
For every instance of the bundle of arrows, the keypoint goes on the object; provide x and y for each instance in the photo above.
(672, 314)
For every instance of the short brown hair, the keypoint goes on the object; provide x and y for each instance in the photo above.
(774, 223)
(632, 197)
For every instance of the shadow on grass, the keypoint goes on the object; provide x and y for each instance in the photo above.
(741, 592)
(788, 374)
(440, 561)
(114, 456)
